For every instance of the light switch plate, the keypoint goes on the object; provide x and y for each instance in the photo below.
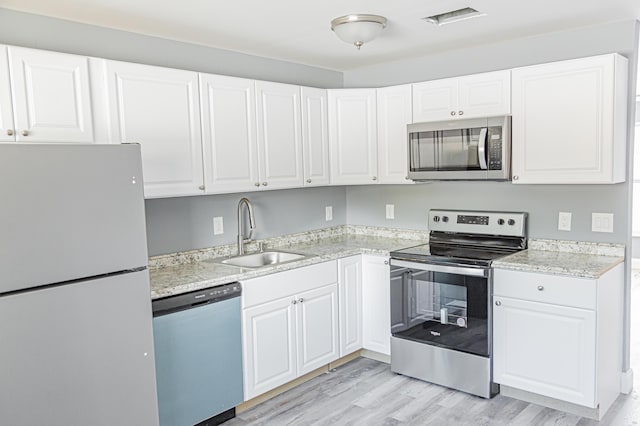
(602, 222)
(218, 225)
(328, 213)
(390, 209)
(564, 221)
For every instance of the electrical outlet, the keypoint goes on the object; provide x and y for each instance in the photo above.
(391, 214)
(328, 213)
(218, 225)
(564, 221)
(602, 222)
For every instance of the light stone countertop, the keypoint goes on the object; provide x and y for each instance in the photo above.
(579, 265)
(197, 269)
(176, 279)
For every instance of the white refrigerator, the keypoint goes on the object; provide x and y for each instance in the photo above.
(76, 339)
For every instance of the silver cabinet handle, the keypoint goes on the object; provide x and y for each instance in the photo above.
(201, 187)
(406, 178)
(460, 112)
(374, 178)
(10, 132)
(301, 300)
(386, 262)
(515, 177)
(308, 180)
(498, 303)
(257, 184)
(453, 113)
(540, 287)
(264, 183)
(293, 302)
(25, 133)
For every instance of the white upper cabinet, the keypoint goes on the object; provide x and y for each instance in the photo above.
(51, 97)
(158, 108)
(569, 121)
(394, 113)
(315, 139)
(472, 96)
(353, 136)
(279, 135)
(7, 128)
(230, 147)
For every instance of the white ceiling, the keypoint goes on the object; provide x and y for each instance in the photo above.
(299, 31)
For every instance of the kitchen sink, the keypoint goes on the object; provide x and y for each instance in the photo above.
(257, 260)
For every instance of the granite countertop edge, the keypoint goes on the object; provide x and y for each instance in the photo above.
(577, 265)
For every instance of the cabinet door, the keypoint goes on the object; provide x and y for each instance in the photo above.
(317, 328)
(568, 121)
(545, 349)
(376, 305)
(352, 136)
(229, 145)
(279, 136)
(315, 139)
(51, 95)
(484, 95)
(158, 108)
(350, 289)
(7, 128)
(435, 100)
(394, 113)
(269, 346)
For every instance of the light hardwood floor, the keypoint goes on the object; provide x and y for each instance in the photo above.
(366, 392)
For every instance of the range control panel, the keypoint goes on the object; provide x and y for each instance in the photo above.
(479, 222)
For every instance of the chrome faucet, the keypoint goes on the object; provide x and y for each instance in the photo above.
(252, 224)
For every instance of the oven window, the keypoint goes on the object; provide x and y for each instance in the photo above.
(444, 309)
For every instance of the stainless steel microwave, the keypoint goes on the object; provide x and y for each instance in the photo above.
(475, 149)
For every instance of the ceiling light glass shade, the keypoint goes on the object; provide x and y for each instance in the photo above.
(358, 29)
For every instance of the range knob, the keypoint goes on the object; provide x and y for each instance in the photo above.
(500, 221)
(511, 222)
(445, 219)
(436, 218)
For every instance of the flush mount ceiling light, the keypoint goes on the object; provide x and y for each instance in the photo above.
(358, 28)
(454, 16)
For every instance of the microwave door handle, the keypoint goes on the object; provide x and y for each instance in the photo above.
(482, 148)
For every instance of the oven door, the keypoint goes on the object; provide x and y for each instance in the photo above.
(442, 305)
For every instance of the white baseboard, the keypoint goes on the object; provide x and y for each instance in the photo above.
(578, 410)
(626, 381)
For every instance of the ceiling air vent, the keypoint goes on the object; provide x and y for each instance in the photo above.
(454, 16)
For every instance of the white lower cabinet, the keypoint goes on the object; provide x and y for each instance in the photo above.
(290, 325)
(376, 304)
(350, 292)
(559, 337)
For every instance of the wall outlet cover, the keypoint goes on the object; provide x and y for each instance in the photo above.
(564, 221)
(390, 211)
(218, 225)
(328, 213)
(602, 222)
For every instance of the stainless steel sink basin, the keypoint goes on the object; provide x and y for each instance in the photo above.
(257, 260)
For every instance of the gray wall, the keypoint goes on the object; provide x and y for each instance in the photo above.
(366, 205)
(40, 32)
(178, 224)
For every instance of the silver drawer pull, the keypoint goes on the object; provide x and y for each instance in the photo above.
(540, 288)
(293, 302)
(498, 303)
(301, 300)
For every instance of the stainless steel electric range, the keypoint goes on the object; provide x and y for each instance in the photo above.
(441, 298)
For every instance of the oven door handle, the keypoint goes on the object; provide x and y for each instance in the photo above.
(460, 270)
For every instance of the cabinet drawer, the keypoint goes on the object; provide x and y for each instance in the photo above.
(287, 283)
(558, 290)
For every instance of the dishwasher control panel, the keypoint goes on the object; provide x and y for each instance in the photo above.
(193, 299)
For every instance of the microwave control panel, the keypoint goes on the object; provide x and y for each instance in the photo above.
(494, 144)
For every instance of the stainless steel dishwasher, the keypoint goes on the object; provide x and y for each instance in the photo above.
(198, 349)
